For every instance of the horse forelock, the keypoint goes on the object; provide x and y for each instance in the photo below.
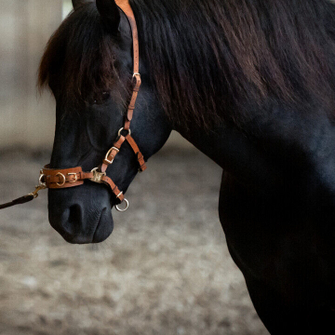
(79, 60)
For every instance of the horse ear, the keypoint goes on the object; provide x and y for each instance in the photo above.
(77, 3)
(110, 14)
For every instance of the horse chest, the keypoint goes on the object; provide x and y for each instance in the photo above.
(277, 244)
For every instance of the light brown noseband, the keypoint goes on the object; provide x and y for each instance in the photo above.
(72, 177)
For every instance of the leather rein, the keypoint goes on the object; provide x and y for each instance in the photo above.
(72, 177)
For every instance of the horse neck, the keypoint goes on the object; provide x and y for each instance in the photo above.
(234, 152)
(277, 149)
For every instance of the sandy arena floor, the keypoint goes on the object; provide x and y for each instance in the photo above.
(165, 269)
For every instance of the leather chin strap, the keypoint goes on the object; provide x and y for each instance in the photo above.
(72, 177)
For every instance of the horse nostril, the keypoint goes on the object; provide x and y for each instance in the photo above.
(67, 221)
(75, 216)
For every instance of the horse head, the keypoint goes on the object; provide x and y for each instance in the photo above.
(88, 65)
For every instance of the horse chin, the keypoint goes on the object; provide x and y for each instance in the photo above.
(81, 215)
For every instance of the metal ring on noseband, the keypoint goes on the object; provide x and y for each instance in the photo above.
(40, 180)
(119, 133)
(118, 206)
(123, 209)
(62, 183)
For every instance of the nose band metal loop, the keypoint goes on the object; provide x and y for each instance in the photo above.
(119, 209)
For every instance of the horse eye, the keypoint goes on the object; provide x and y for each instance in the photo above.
(100, 98)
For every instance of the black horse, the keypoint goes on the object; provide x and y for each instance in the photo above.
(251, 83)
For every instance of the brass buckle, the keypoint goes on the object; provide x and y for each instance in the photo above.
(97, 175)
(109, 151)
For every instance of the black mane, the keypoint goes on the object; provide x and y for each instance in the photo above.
(208, 59)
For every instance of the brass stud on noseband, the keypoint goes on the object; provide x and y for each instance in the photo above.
(75, 177)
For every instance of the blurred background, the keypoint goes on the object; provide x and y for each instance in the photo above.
(165, 269)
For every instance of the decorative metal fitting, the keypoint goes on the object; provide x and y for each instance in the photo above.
(97, 175)
(63, 179)
(75, 177)
(40, 180)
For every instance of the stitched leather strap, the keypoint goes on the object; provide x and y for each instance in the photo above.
(140, 157)
(125, 7)
(115, 149)
(64, 178)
